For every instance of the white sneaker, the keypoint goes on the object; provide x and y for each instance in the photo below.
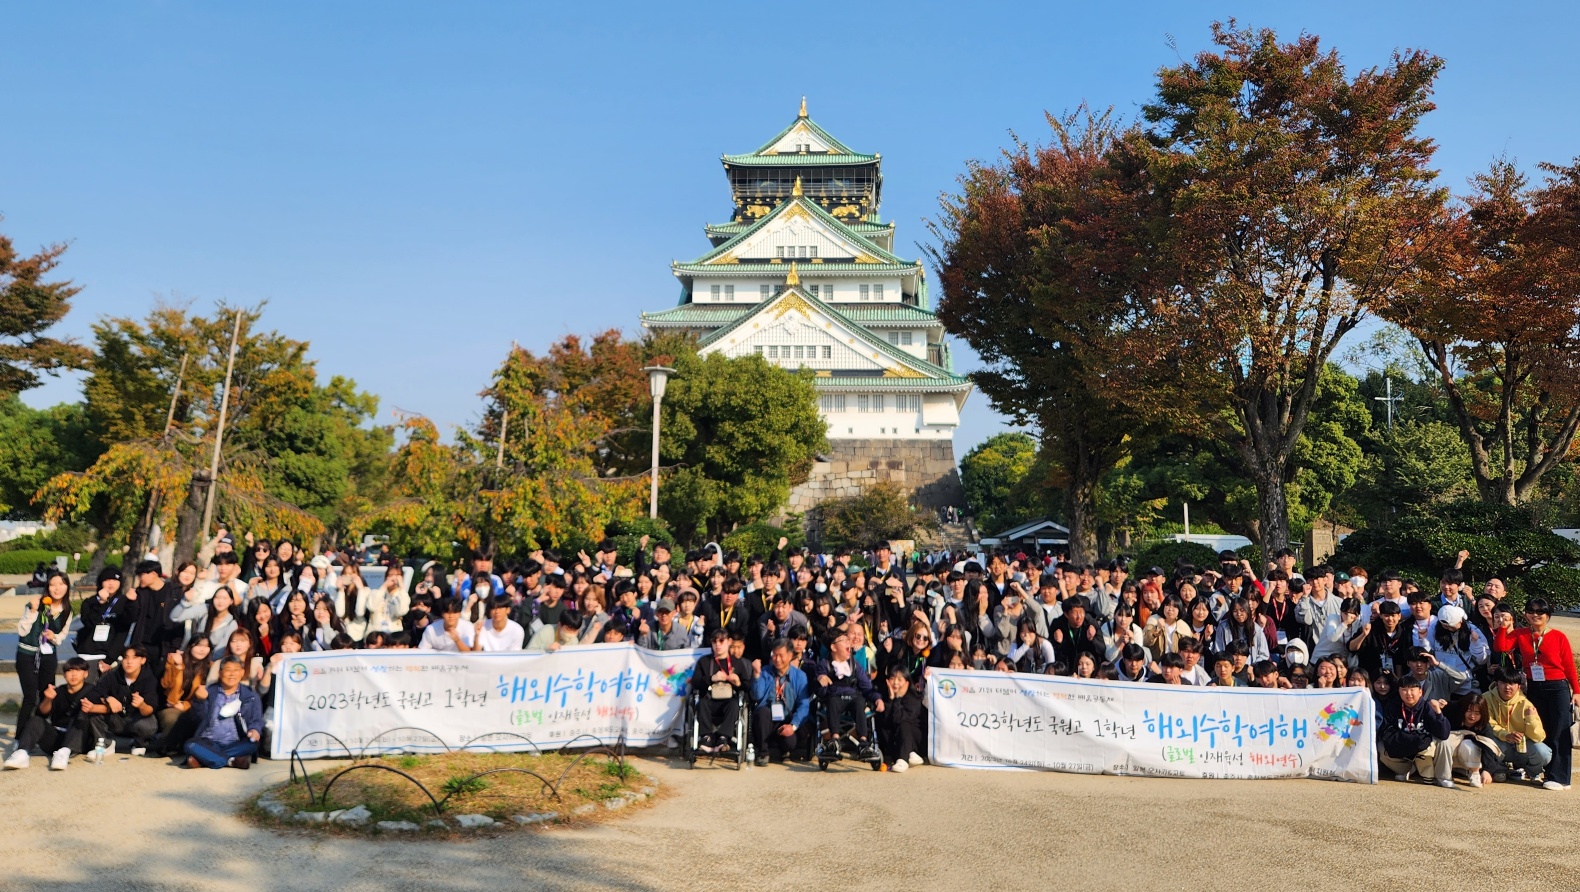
(1402, 777)
(18, 759)
(1553, 785)
(139, 750)
(57, 762)
(1475, 778)
(1446, 783)
(916, 760)
(899, 765)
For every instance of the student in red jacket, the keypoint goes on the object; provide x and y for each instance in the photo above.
(1554, 687)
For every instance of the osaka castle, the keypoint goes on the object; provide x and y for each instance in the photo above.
(804, 274)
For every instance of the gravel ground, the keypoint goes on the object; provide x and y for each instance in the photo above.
(139, 824)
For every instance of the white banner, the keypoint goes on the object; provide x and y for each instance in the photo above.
(605, 690)
(1001, 720)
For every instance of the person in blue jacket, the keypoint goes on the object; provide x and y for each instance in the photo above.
(782, 704)
(230, 723)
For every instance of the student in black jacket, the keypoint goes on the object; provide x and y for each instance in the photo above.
(122, 704)
(48, 728)
(1414, 736)
(846, 691)
(902, 726)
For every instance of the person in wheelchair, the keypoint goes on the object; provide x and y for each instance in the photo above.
(845, 691)
(717, 684)
(783, 702)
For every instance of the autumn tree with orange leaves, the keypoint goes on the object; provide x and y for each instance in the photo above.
(1497, 313)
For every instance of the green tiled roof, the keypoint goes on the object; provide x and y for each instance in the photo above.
(809, 269)
(828, 138)
(692, 315)
(928, 370)
(697, 315)
(807, 204)
(860, 227)
(881, 314)
(950, 382)
(808, 160)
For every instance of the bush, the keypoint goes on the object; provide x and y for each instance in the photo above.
(880, 513)
(627, 535)
(761, 539)
(1169, 555)
(22, 562)
(64, 539)
(1504, 542)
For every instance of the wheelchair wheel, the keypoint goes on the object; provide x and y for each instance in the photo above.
(688, 734)
(742, 731)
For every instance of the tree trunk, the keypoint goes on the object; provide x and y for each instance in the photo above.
(190, 517)
(1082, 507)
(1273, 502)
(137, 541)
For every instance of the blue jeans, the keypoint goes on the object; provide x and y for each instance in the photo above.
(1535, 756)
(217, 755)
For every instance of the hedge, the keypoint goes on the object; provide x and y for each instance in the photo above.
(1170, 554)
(22, 563)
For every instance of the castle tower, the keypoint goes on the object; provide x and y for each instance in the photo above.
(803, 275)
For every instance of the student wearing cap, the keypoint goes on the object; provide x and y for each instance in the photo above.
(1458, 645)
(1413, 735)
(662, 634)
(1438, 682)
(1554, 688)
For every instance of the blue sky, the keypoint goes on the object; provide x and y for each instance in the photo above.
(413, 186)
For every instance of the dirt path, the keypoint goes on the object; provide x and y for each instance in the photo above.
(141, 825)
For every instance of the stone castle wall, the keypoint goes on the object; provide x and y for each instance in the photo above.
(924, 468)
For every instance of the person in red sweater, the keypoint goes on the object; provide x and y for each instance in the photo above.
(1554, 686)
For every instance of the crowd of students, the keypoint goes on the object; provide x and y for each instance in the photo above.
(182, 664)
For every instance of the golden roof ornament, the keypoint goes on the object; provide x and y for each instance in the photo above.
(795, 190)
(803, 106)
(793, 278)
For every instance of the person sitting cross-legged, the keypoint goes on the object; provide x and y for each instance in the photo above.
(1514, 723)
(1414, 735)
(783, 703)
(229, 724)
(48, 727)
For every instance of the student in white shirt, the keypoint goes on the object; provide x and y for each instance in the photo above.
(451, 635)
(497, 631)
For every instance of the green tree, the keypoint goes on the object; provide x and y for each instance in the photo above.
(880, 513)
(1287, 199)
(994, 475)
(29, 306)
(1413, 468)
(35, 445)
(737, 433)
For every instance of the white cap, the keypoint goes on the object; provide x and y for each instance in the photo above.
(1451, 616)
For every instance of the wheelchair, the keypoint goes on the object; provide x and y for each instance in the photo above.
(846, 746)
(691, 730)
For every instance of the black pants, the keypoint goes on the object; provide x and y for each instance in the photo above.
(1554, 703)
(35, 671)
(765, 734)
(713, 714)
(899, 739)
(844, 711)
(41, 734)
(88, 728)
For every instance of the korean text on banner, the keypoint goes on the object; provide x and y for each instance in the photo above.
(403, 699)
(999, 720)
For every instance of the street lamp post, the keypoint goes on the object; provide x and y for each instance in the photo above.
(657, 380)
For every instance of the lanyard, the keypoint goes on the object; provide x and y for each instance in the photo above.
(779, 689)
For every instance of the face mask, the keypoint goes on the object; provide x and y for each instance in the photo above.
(484, 590)
(821, 588)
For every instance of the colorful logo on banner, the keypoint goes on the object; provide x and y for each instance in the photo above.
(1336, 723)
(947, 689)
(675, 678)
(298, 672)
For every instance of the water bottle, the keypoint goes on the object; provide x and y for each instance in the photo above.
(100, 746)
(751, 754)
